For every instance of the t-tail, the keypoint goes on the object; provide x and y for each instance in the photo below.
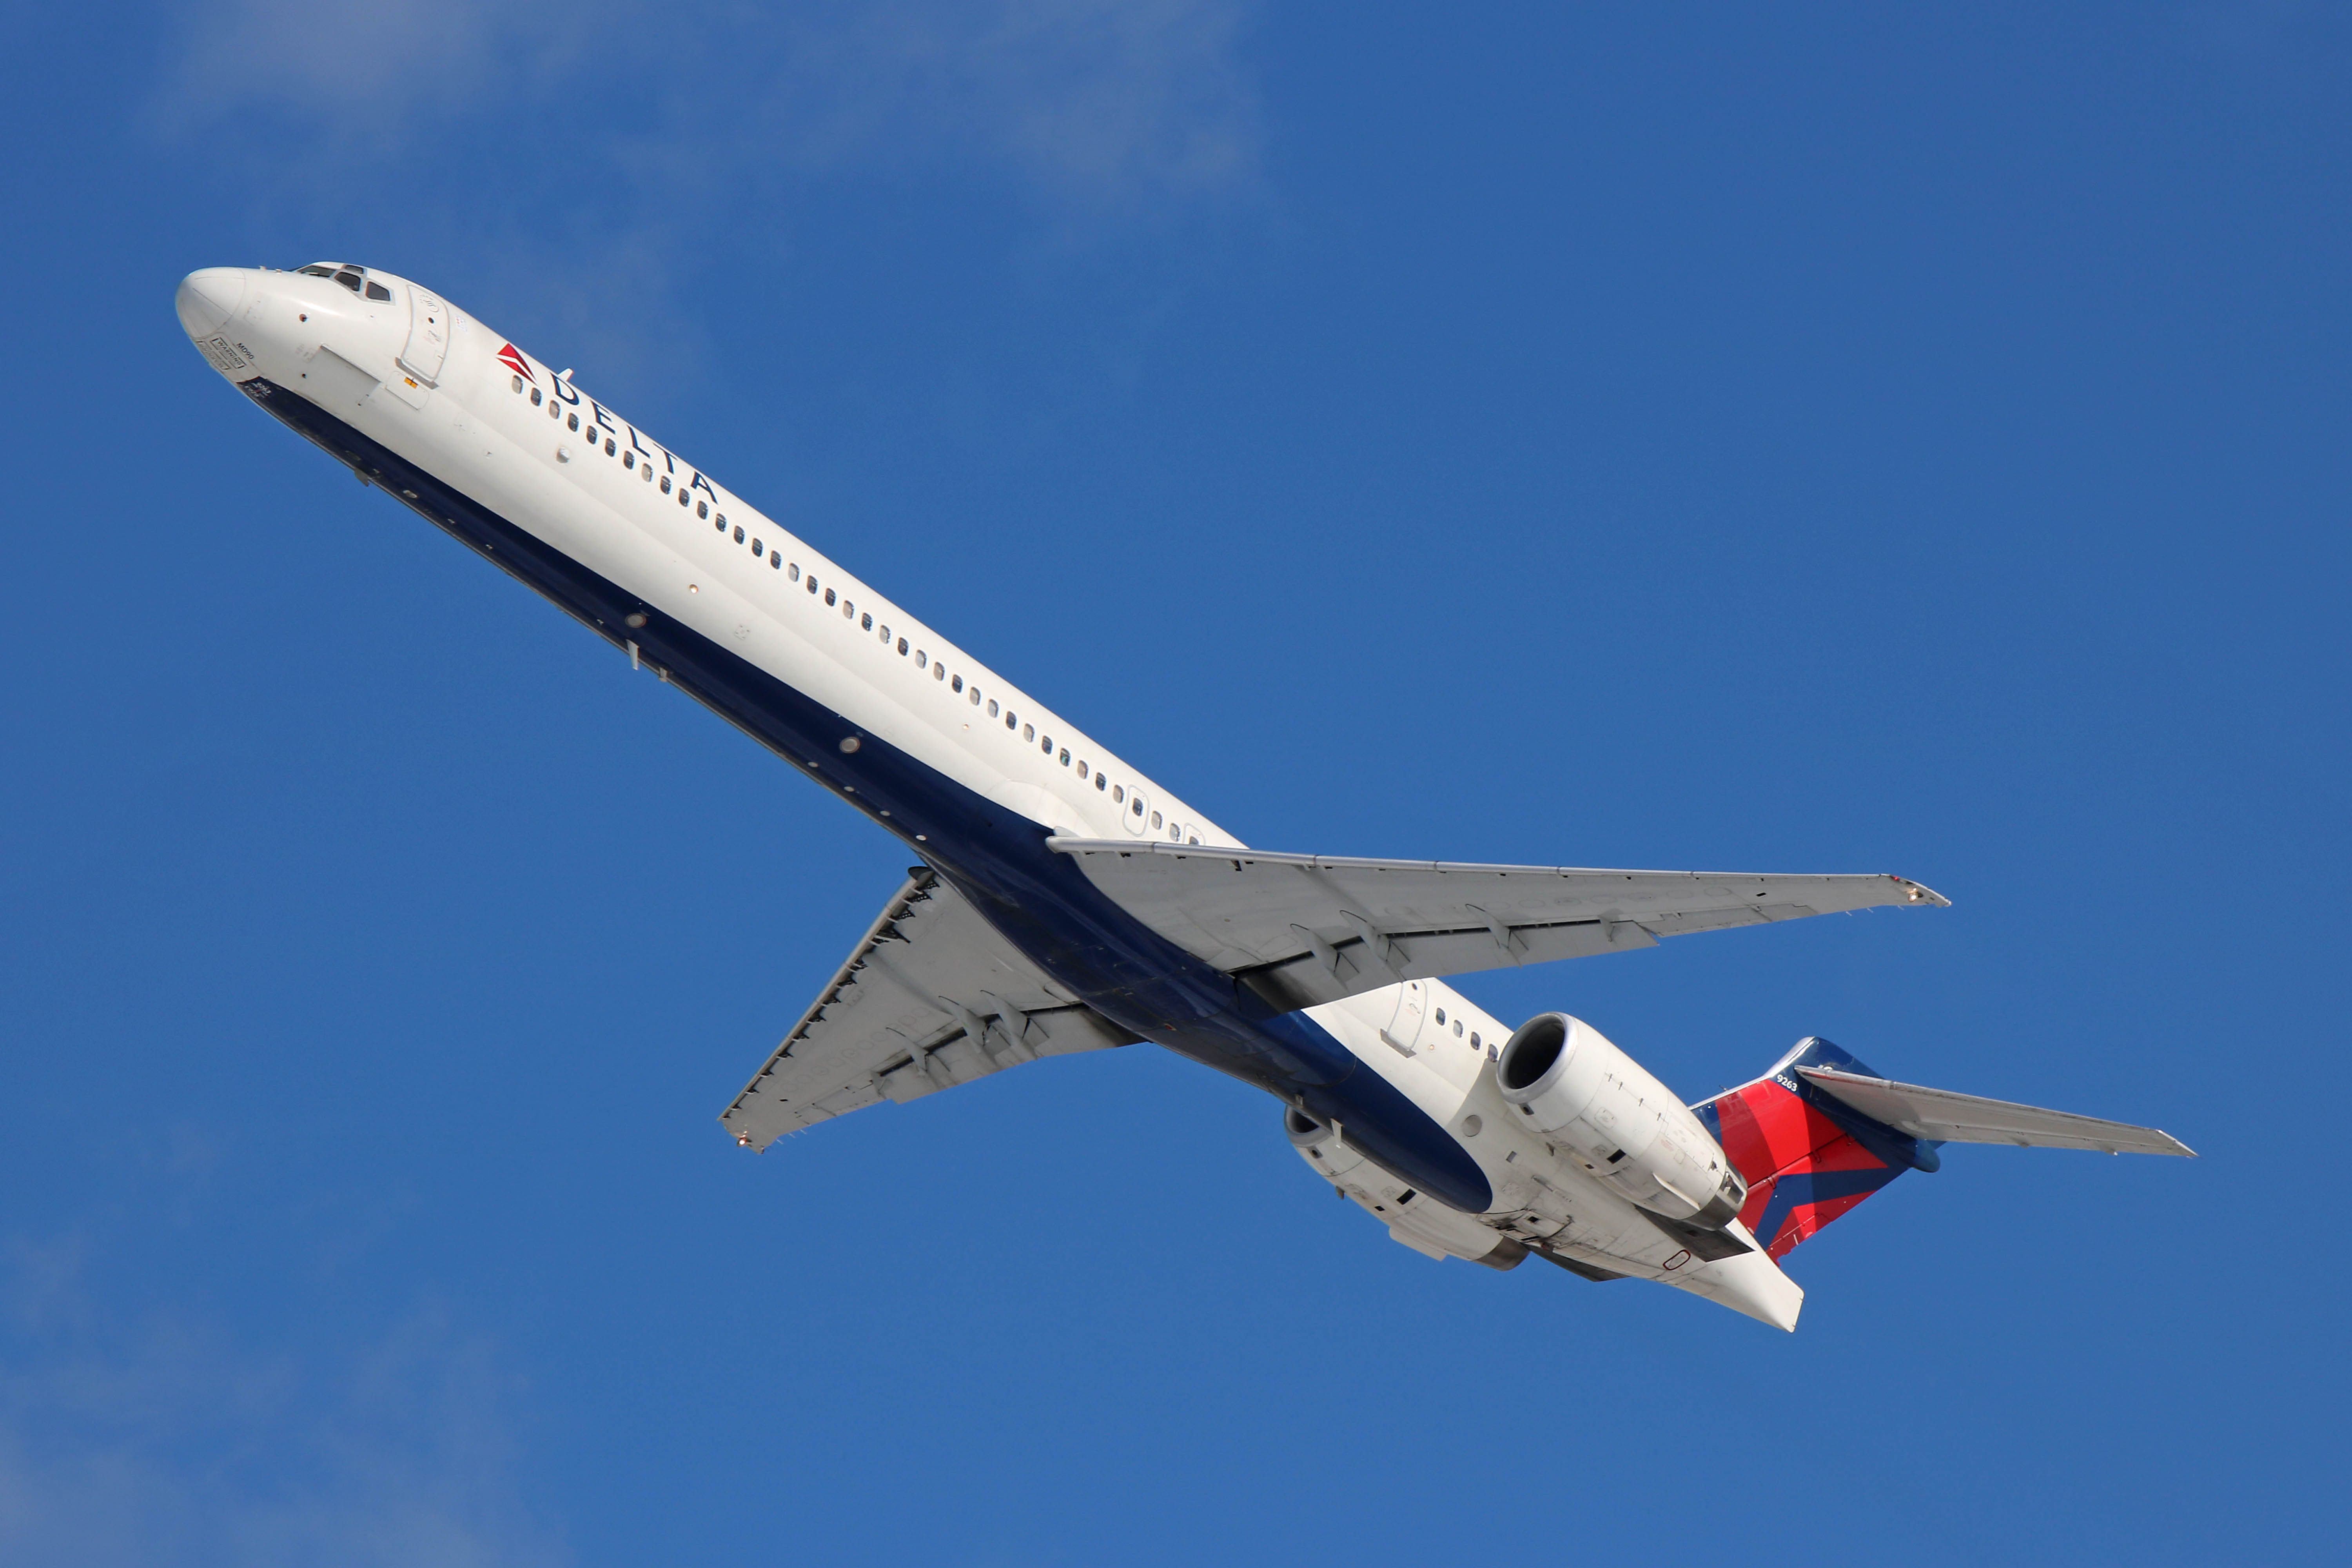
(1821, 1131)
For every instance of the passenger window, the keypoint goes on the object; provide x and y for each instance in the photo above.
(1029, 733)
(1066, 756)
(665, 484)
(702, 509)
(777, 561)
(1155, 819)
(794, 570)
(992, 710)
(1134, 806)
(975, 696)
(1441, 1015)
(609, 447)
(518, 382)
(739, 532)
(922, 659)
(1457, 1028)
(828, 592)
(956, 685)
(1474, 1039)
(1008, 721)
(536, 397)
(939, 672)
(866, 623)
(848, 611)
(378, 292)
(647, 472)
(1082, 770)
(572, 422)
(628, 460)
(902, 649)
(682, 497)
(1100, 779)
(1119, 794)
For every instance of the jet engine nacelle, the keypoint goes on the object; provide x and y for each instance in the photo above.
(1571, 1085)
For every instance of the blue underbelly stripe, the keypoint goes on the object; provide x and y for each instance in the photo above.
(1041, 902)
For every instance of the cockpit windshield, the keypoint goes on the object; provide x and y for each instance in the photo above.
(354, 278)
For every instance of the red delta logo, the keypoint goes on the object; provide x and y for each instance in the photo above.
(511, 357)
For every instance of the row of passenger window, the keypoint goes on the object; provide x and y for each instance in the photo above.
(1475, 1041)
(954, 683)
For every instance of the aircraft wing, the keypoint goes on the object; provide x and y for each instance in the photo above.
(1305, 929)
(931, 997)
(1949, 1118)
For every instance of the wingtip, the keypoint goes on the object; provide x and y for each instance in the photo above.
(1920, 893)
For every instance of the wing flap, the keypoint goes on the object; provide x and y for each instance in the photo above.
(1305, 929)
(1949, 1118)
(931, 997)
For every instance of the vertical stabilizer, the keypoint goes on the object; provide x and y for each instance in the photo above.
(1808, 1157)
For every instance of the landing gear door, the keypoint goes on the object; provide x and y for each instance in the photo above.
(428, 336)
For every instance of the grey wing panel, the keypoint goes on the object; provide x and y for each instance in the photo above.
(930, 997)
(1941, 1115)
(1304, 929)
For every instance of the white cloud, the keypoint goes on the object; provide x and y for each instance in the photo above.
(1089, 95)
(166, 1445)
(582, 158)
(1089, 98)
(356, 66)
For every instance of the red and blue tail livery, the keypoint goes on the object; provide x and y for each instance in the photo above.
(1807, 1157)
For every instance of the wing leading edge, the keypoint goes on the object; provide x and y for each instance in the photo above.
(1307, 928)
(930, 997)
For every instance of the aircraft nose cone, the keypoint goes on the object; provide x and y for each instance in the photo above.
(209, 297)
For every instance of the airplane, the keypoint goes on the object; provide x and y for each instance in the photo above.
(1063, 902)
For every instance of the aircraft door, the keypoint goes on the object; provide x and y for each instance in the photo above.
(428, 336)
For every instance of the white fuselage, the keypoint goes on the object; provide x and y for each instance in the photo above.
(458, 404)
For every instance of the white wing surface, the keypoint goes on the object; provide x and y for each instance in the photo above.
(931, 998)
(1304, 929)
(1939, 1114)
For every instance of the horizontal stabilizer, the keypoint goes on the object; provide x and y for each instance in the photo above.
(1307, 928)
(1940, 1115)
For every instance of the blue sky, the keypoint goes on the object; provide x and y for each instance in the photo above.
(1871, 440)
